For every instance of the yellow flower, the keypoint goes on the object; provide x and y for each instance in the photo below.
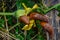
(24, 6)
(31, 24)
(25, 27)
(28, 9)
(28, 27)
(35, 6)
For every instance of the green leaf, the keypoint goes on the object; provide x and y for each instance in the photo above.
(57, 7)
(40, 10)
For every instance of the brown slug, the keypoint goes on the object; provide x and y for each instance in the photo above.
(24, 19)
(37, 16)
(48, 28)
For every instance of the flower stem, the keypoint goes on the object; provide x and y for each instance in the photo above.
(1, 13)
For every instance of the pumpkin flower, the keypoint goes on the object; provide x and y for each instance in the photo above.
(25, 27)
(28, 9)
(28, 27)
(35, 6)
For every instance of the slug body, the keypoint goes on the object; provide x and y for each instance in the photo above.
(37, 16)
(48, 28)
(24, 19)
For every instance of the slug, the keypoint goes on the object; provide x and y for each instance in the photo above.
(37, 16)
(48, 28)
(24, 19)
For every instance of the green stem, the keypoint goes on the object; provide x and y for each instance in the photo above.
(52, 8)
(14, 26)
(1, 13)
